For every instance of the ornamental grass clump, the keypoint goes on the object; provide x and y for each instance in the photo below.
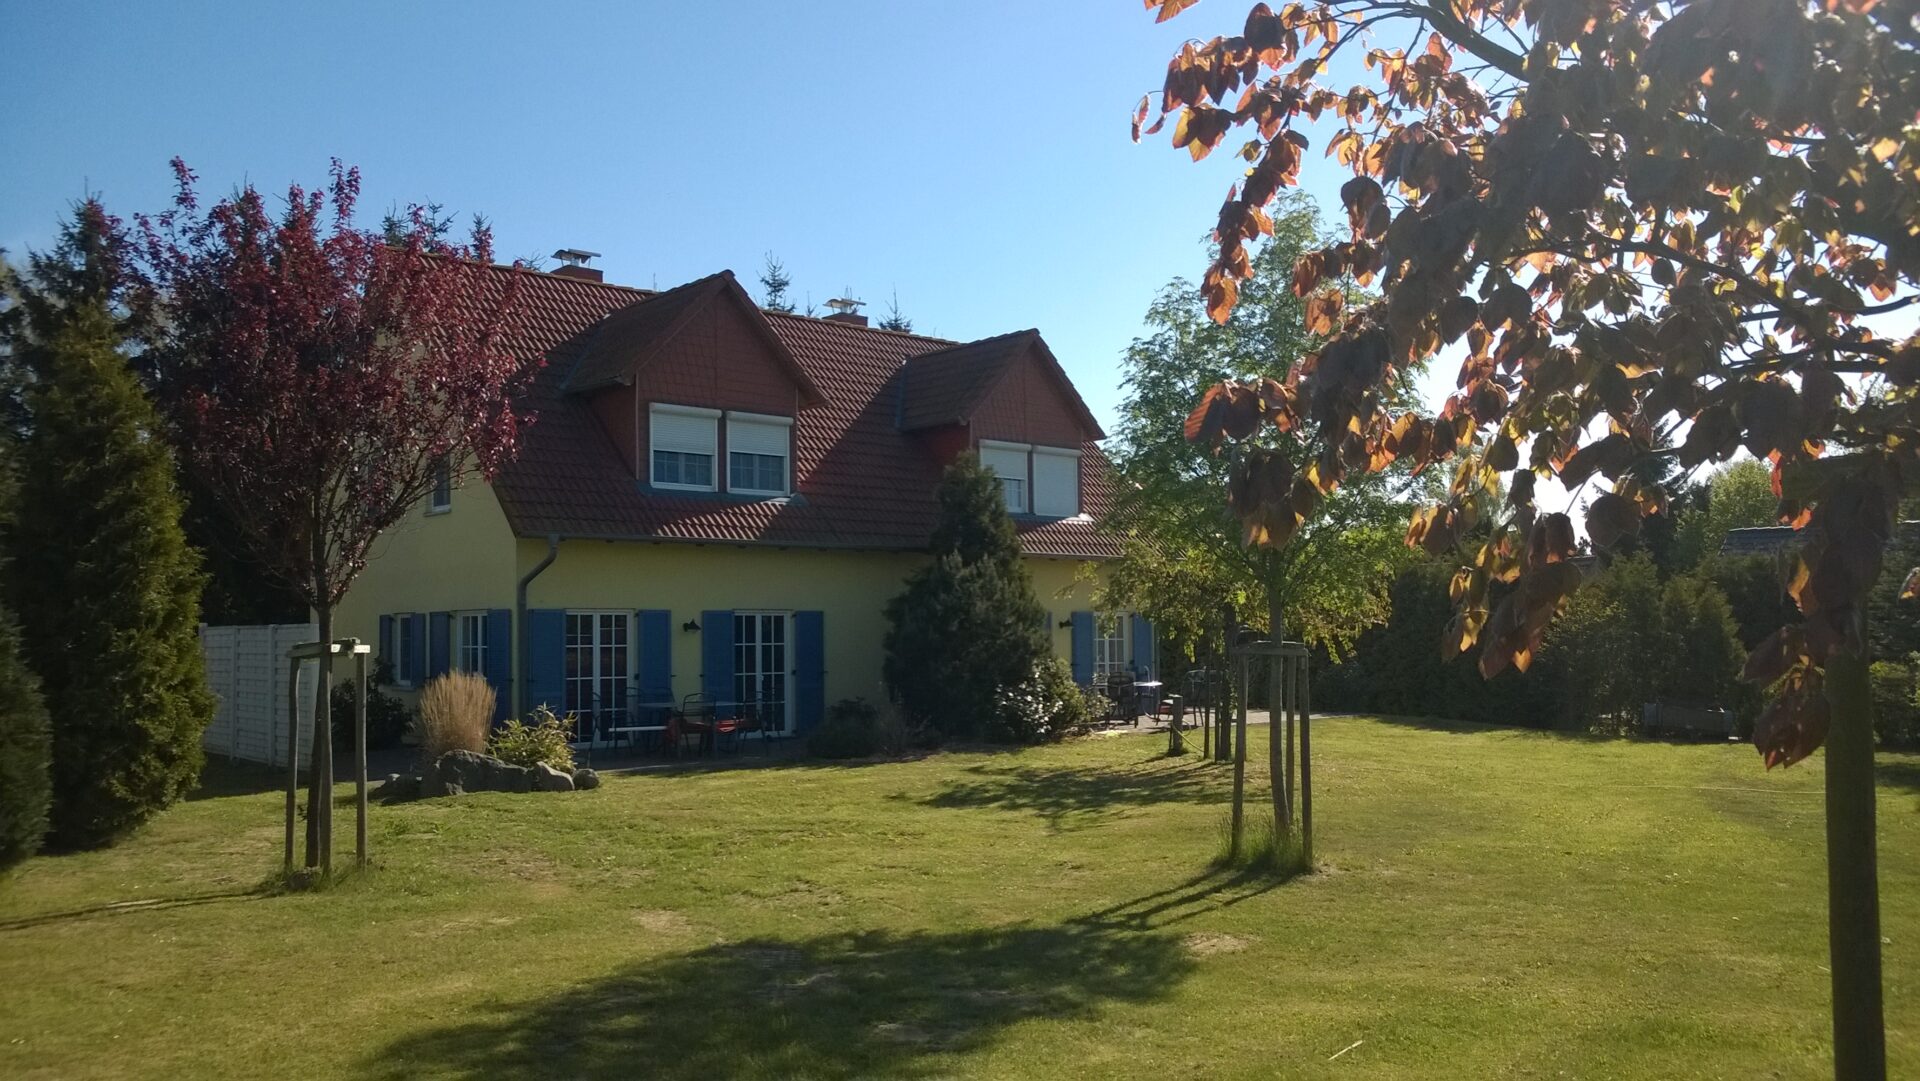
(456, 710)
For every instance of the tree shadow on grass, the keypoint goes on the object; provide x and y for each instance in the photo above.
(1064, 794)
(127, 908)
(1899, 774)
(857, 1004)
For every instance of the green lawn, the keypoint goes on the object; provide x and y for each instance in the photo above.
(1490, 903)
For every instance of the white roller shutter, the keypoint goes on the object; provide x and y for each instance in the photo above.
(684, 429)
(751, 433)
(1056, 482)
(1009, 462)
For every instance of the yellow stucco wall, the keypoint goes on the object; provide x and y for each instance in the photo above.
(469, 559)
(462, 558)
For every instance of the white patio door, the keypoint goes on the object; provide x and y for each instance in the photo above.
(598, 662)
(761, 667)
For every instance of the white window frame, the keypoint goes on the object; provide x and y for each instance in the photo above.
(757, 618)
(1034, 469)
(1111, 631)
(469, 640)
(1025, 481)
(597, 678)
(711, 449)
(761, 420)
(440, 498)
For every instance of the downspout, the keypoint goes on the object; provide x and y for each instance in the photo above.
(522, 668)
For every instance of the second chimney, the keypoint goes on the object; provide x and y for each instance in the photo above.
(573, 264)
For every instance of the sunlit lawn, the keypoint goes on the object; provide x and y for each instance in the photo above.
(1491, 903)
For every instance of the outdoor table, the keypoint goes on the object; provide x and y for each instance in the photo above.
(646, 709)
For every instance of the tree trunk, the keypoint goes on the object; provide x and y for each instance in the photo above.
(1853, 891)
(1239, 765)
(1279, 719)
(320, 780)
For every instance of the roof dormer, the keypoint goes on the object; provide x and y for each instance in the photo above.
(678, 379)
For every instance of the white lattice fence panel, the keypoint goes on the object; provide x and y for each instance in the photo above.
(247, 671)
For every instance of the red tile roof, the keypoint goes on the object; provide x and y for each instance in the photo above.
(943, 387)
(863, 482)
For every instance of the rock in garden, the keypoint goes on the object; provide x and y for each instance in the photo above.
(584, 779)
(398, 786)
(548, 779)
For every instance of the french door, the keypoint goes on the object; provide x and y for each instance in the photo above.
(761, 667)
(598, 662)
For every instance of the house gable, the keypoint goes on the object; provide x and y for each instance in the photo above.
(1032, 402)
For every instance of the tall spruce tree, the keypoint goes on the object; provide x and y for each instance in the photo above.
(26, 755)
(106, 588)
(967, 626)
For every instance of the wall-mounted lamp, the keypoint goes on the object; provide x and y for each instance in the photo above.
(1066, 623)
(690, 625)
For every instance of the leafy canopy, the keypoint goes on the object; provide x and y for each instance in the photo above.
(1630, 220)
(1184, 556)
(316, 374)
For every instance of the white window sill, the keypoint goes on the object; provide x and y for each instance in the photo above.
(433, 511)
(665, 487)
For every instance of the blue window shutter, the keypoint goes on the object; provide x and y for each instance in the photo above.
(656, 655)
(809, 670)
(1083, 648)
(500, 661)
(547, 659)
(386, 645)
(417, 647)
(1143, 646)
(716, 655)
(439, 643)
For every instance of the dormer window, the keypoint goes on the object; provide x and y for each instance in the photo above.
(1043, 481)
(685, 442)
(759, 453)
(1008, 462)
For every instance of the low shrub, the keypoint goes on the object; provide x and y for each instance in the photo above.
(456, 710)
(856, 728)
(1896, 714)
(544, 737)
(387, 716)
(851, 729)
(1046, 705)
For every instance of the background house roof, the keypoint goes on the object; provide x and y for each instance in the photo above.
(865, 483)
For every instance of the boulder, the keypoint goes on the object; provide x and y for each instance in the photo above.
(548, 779)
(397, 787)
(458, 772)
(584, 779)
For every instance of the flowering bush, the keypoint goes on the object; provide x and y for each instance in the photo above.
(548, 739)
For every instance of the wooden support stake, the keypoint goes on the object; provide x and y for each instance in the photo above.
(1276, 748)
(359, 751)
(1239, 762)
(293, 754)
(1306, 767)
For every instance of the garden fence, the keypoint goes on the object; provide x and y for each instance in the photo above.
(247, 671)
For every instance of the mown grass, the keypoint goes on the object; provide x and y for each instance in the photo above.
(1488, 903)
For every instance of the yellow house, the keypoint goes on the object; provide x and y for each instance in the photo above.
(718, 500)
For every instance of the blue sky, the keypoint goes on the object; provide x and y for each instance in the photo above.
(973, 157)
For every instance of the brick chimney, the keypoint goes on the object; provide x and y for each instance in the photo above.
(573, 264)
(846, 310)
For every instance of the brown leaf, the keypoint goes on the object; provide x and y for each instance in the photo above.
(1795, 723)
(1551, 540)
(1776, 655)
(1323, 311)
(1611, 517)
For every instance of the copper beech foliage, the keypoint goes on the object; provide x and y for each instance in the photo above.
(1647, 229)
(316, 373)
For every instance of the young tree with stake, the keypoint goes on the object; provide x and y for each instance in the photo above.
(318, 375)
(1637, 221)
